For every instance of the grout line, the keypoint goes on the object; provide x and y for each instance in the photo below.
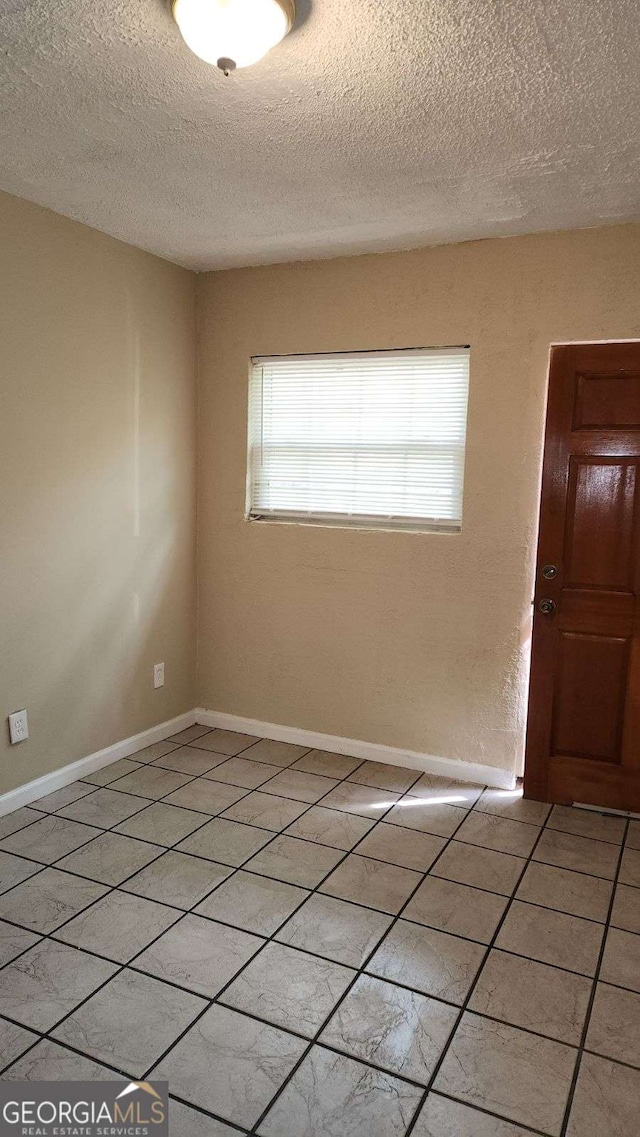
(470, 992)
(244, 865)
(487, 1113)
(271, 938)
(206, 1113)
(360, 970)
(263, 789)
(111, 889)
(594, 988)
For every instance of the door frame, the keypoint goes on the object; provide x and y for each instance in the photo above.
(533, 781)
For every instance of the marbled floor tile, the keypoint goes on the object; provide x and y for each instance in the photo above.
(295, 862)
(50, 1062)
(229, 742)
(301, 787)
(110, 858)
(13, 941)
(587, 823)
(498, 833)
(441, 1117)
(334, 929)
(429, 961)
(130, 1022)
(382, 776)
(398, 846)
(186, 1122)
(330, 827)
(289, 988)
(626, 909)
(110, 773)
(13, 870)
(373, 883)
(614, 1026)
(49, 839)
(177, 879)
(11, 822)
(228, 842)
(266, 811)
(190, 760)
(566, 891)
(151, 781)
(63, 796)
(199, 954)
(532, 995)
(163, 824)
(155, 750)
(510, 1072)
(580, 854)
(427, 816)
(280, 754)
(242, 772)
(335, 1096)
(400, 1030)
(230, 1064)
(633, 835)
(118, 926)
(457, 909)
(630, 867)
(48, 981)
(432, 789)
(327, 763)
(105, 808)
(606, 1101)
(47, 899)
(482, 868)
(621, 959)
(363, 800)
(190, 733)
(206, 796)
(254, 903)
(14, 1040)
(510, 803)
(551, 937)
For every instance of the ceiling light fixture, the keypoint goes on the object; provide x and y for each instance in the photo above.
(233, 33)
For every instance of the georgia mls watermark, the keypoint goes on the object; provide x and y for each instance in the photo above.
(84, 1109)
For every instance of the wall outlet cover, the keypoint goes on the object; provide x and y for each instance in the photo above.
(18, 726)
(158, 675)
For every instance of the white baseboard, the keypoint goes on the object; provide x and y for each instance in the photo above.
(24, 795)
(428, 763)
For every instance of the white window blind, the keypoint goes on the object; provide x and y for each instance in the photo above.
(373, 438)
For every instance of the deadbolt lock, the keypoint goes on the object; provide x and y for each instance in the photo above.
(549, 572)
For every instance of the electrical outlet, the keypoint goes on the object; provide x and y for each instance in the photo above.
(158, 674)
(18, 726)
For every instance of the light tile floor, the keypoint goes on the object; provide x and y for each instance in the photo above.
(306, 945)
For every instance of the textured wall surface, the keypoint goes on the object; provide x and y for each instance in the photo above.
(411, 640)
(97, 569)
(376, 124)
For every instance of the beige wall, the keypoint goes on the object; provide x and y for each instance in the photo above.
(96, 488)
(410, 640)
(416, 641)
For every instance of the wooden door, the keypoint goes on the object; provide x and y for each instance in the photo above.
(583, 735)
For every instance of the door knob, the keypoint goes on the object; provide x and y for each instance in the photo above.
(547, 606)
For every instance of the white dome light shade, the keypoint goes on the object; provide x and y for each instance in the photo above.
(233, 32)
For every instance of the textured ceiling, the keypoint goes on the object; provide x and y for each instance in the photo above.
(376, 124)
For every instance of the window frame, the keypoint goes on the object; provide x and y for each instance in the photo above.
(358, 522)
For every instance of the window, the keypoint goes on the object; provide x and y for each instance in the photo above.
(368, 439)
